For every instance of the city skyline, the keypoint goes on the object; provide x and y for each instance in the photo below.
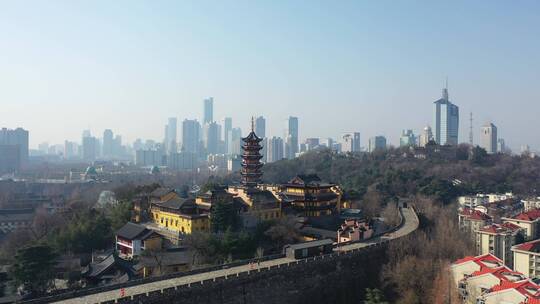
(370, 68)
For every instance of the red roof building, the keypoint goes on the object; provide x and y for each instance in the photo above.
(493, 282)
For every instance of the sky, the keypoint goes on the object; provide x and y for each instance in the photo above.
(369, 66)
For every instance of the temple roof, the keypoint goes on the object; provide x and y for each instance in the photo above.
(252, 137)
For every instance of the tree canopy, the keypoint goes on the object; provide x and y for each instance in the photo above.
(33, 268)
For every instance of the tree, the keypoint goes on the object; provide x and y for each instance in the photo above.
(374, 296)
(283, 232)
(478, 155)
(86, 231)
(391, 215)
(224, 217)
(33, 268)
(120, 214)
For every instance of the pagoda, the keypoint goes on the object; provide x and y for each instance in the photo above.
(251, 159)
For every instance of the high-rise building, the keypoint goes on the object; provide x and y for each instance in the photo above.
(407, 139)
(312, 143)
(212, 137)
(17, 137)
(446, 120)
(171, 142)
(86, 133)
(235, 141)
(327, 142)
(190, 135)
(377, 143)
(274, 149)
(182, 161)
(148, 158)
(291, 136)
(118, 149)
(43, 147)
(489, 138)
(501, 146)
(10, 158)
(425, 137)
(108, 143)
(260, 127)
(70, 149)
(89, 148)
(351, 142)
(227, 126)
(208, 110)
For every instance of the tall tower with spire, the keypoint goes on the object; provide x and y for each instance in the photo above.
(446, 120)
(251, 159)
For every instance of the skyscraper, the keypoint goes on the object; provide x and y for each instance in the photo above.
(235, 141)
(312, 143)
(212, 137)
(489, 138)
(227, 126)
(260, 127)
(446, 120)
(407, 139)
(377, 143)
(190, 135)
(171, 135)
(17, 137)
(208, 110)
(291, 137)
(70, 149)
(274, 149)
(351, 142)
(89, 148)
(108, 143)
(426, 136)
(501, 146)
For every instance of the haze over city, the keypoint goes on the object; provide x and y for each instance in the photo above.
(375, 68)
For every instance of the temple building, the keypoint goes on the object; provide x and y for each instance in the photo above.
(251, 160)
(261, 203)
(177, 217)
(210, 198)
(311, 197)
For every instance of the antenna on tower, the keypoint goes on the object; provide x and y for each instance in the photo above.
(445, 90)
(471, 142)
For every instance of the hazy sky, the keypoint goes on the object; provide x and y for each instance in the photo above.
(374, 67)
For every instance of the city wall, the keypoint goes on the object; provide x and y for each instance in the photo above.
(340, 277)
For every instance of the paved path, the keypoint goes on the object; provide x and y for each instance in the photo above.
(410, 224)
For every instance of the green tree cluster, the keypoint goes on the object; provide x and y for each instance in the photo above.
(33, 269)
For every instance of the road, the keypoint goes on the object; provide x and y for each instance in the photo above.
(410, 224)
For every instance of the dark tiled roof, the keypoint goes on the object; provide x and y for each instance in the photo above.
(98, 268)
(161, 191)
(311, 244)
(304, 180)
(177, 203)
(131, 231)
(252, 137)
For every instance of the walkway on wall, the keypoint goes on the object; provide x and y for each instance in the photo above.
(409, 224)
